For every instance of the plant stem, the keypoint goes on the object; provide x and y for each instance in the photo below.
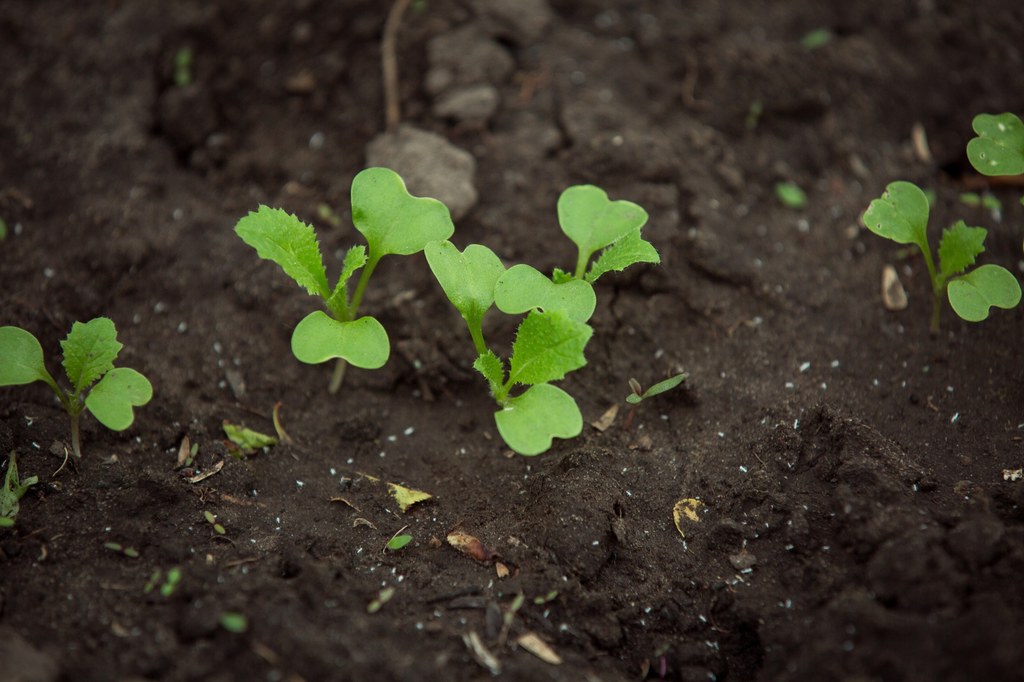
(76, 440)
(476, 331)
(581, 265)
(936, 311)
(338, 377)
(353, 308)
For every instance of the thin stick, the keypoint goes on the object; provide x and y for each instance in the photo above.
(389, 63)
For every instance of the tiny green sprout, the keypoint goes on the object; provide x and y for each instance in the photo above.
(754, 113)
(13, 490)
(211, 519)
(638, 395)
(999, 147)
(790, 195)
(3, 229)
(184, 61)
(398, 542)
(901, 214)
(233, 622)
(382, 598)
(89, 353)
(167, 584)
(392, 221)
(819, 37)
(129, 552)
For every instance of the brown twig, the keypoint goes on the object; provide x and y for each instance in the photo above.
(389, 64)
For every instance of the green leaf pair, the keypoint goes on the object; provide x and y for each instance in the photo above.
(901, 214)
(550, 340)
(393, 222)
(89, 353)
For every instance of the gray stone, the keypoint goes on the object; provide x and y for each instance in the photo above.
(430, 165)
(470, 104)
(522, 21)
(466, 56)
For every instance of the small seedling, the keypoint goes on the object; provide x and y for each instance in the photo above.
(211, 519)
(790, 195)
(382, 598)
(129, 552)
(184, 62)
(999, 147)
(816, 38)
(392, 221)
(13, 490)
(89, 353)
(398, 541)
(233, 622)
(901, 214)
(244, 440)
(167, 585)
(550, 340)
(638, 395)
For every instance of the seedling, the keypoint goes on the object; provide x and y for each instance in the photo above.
(399, 540)
(166, 584)
(790, 195)
(901, 214)
(129, 552)
(551, 338)
(89, 353)
(392, 221)
(638, 395)
(211, 519)
(11, 493)
(999, 147)
(233, 622)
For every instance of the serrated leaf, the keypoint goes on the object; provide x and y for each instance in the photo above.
(529, 422)
(246, 439)
(407, 497)
(355, 258)
(23, 360)
(467, 277)
(999, 147)
(547, 347)
(900, 214)
(492, 368)
(972, 295)
(112, 400)
(523, 288)
(392, 220)
(362, 343)
(89, 351)
(13, 490)
(627, 251)
(959, 247)
(560, 276)
(280, 237)
(592, 221)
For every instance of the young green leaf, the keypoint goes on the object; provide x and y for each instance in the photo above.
(89, 351)
(791, 195)
(999, 147)
(959, 247)
(627, 251)
(23, 358)
(355, 258)
(657, 389)
(234, 622)
(467, 277)
(523, 288)
(319, 338)
(972, 295)
(13, 490)
(112, 399)
(246, 439)
(492, 368)
(547, 347)
(901, 214)
(392, 220)
(281, 237)
(398, 542)
(529, 422)
(592, 221)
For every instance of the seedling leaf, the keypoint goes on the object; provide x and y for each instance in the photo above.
(627, 251)
(392, 220)
(112, 399)
(13, 490)
(972, 295)
(398, 542)
(23, 358)
(530, 421)
(547, 347)
(234, 622)
(959, 247)
(247, 440)
(999, 147)
(355, 258)
(492, 368)
(281, 237)
(900, 214)
(791, 195)
(467, 277)
(319, 338)
(592, 221)
(657, 389)
(89, 351)
(523, 288)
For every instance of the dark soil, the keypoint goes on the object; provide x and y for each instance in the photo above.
(855, 524)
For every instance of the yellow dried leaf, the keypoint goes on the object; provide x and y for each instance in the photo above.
(539, 648)
(407, 497)
(607, 419)
(686, 507)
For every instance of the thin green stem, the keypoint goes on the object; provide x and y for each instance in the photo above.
(338, 376)
(476, 331)
(938, 287)
(581, 264)
(351, 310)
(76, 439)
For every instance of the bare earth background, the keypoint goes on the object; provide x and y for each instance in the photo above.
(855, 524)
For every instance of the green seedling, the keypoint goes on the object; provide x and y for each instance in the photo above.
(166, 584)
(89, 353)
(12, 492)
(901, 214)
(790, 195)
(129, 552)
(245, 440)
(382, 598)
(999, 147)
(638, 395)
(819, 37)
(184, 62)
(392, 221)
(211, 519)
(398, 542)
(3, 230)
(233, 622)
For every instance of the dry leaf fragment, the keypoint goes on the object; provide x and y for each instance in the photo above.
(920, 140)
(362, 522)
(407, 497)
(481, 653)
(184, 451)
(215, 469)
(606, 419)
(501, 569)
(471, 547)
(894, 296)
(345, 502)
(539, 648)
(686, 508)
(282, 435)
(1013, 474)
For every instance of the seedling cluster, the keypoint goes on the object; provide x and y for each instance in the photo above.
(901, 214)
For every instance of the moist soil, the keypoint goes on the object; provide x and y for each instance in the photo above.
(853, 519)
